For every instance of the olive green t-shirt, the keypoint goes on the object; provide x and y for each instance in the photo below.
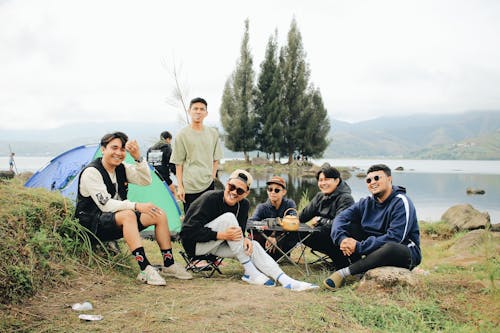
(196, 151)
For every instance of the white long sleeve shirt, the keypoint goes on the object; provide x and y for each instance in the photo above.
(92, 184)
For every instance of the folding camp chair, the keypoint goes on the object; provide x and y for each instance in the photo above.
(206, 264)
(323, 260)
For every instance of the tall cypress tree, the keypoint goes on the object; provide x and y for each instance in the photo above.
(268, 102)
(237, 113)
(295, 81)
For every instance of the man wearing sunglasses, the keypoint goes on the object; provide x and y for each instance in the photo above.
(215, 224)
(379, 230)
(333, 197)
(275, 206)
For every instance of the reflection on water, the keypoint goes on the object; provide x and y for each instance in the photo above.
(432, 193)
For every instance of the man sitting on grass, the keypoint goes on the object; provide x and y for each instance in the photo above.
(103, 208)
(215, 224)
(381, 230)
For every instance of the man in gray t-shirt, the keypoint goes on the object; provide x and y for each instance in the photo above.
(196, 154)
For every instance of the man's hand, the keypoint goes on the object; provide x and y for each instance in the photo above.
(148, 208)
(348, 246)
(180, 193)
(248, 246)
(271, 244)
(133, 148)
(230, 234)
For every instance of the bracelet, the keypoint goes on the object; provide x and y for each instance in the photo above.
(139, 160)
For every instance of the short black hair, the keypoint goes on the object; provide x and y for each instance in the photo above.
(329, 172)
(166, 135)
(115, 135)
(198, 100)
(380, 167)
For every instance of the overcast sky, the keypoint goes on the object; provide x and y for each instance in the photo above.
(73, 61)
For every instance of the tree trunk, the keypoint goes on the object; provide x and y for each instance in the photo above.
(247, 156)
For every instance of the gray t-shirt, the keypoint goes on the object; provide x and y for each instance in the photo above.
(196, 151)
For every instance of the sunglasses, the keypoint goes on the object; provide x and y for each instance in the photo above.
(375, 178)
(239, 190)
(276, 190)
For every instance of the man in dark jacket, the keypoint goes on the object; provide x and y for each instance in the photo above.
(334, 197)
(158, 156)
(383, 228)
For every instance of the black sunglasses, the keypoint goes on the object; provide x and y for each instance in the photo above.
(276, 190)
(239, 190)
(375, 178)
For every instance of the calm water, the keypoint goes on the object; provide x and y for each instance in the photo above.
(433, 185)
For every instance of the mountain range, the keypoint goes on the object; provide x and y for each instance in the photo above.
(470, 135)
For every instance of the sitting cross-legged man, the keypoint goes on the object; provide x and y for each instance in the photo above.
(102, 206)
(215, 224)
(379, 230)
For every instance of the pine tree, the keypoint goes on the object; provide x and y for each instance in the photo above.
(237, 113)
(295, 73)
(268, 102)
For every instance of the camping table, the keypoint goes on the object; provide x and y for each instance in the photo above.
(303, 233)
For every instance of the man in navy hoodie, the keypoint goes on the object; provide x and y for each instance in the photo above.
(380, 230)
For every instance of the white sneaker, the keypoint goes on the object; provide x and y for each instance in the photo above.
(151, 276)
(260, 280)
(301, 286)
(176, 271)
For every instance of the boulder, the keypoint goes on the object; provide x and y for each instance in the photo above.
(465, 217)
(7, 174)
(388, 277)
(260, 161)
(471, 191)
(495, 227)
(399, 168)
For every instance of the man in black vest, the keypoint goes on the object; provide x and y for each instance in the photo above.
(103, 208)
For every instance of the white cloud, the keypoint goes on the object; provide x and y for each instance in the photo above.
(75, 60)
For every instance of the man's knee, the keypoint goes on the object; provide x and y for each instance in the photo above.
(125, 217)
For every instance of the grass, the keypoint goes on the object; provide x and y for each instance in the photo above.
(51, 265)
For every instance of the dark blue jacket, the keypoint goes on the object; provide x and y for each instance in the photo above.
(393, 220)
(266, 210)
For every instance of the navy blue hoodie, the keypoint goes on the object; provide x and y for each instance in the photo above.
(393, 220)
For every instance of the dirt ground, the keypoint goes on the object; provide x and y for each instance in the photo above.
(222, 303)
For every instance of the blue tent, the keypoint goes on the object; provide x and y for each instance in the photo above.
(62, 172)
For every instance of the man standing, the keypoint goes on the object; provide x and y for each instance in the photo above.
(383, 228)
(274, 207)
(196, 154)
(159, 157)
(102, 206)
(215, 224)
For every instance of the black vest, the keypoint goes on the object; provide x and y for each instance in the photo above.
(86, 208)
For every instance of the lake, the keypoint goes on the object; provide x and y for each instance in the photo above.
(433, 185)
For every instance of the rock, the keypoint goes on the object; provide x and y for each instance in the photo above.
(470, 191)
(7, 174)
(387, 277)
(495, 227)
(399, 168)
(260, 161)
(465, 217)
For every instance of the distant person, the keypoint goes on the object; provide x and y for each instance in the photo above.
(216, 223)
(333, 197)
(11, 162)
(196, 154)
(274, 207)
(380, 230)
(103, 208)
(158, 156)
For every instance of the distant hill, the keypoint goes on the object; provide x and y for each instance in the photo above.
(470, 135)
